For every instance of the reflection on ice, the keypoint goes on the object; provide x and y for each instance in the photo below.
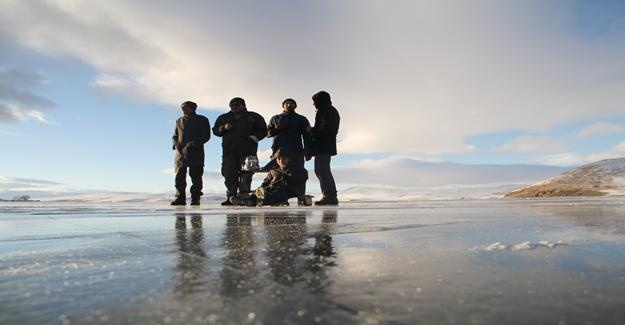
(436, 262)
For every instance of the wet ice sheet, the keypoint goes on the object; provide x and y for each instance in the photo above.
(362, 263)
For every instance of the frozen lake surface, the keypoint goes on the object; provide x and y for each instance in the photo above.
(463, 262)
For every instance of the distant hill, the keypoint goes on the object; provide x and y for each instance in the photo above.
(602, 178)
(390, 179)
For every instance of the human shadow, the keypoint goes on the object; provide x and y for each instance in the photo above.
(292, 258)
(238, 274)
(190, 271)
(272, 248)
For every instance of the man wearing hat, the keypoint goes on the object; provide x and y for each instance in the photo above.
(291, 136)
(191, 133)
(240, 130)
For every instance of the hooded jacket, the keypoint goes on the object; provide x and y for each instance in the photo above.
(324, 132)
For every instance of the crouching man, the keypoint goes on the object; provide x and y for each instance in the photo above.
(281, 184)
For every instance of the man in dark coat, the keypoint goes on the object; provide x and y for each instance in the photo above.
(282, 183)
(291, 135)
(240, 130)
(324, 133)
(191, 133)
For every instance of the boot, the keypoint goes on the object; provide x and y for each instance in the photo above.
(305, 200)
(179, 201)
(245, 201)
(327, 200)
(227, 201)
(195, 201)
(251, 201)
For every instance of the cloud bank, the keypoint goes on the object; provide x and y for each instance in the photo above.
(534, 144)
(409, 173)
(415, 77)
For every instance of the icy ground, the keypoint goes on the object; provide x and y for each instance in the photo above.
(429, 262)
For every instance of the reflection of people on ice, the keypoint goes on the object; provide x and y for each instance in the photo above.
(190, 273)
(282, 183)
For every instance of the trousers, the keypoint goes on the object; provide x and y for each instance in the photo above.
(196, 180)
(236, 181)
(324, 174)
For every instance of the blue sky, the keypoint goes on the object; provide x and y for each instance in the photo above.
(515, 82)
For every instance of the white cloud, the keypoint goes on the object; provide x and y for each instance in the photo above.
(603, 155)
(601, 128)
(412, 78)
(264, 156)
(18, 101)
(410, 173)
(620, 147)
(561, 159)
(533, 144)
(10, 186)
(571, 159)
(617, 151)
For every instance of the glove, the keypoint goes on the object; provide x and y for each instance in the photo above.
(187, 151)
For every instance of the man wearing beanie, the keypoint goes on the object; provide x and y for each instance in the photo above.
(291, 136)
(191, 133)
(324, 133)
(240, 130)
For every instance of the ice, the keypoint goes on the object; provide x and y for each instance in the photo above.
(465, 261)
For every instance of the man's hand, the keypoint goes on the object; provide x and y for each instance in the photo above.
(186, 151)
(228, 126)
(307, 156)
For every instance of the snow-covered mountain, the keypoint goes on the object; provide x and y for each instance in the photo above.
(390, 179)
(605, 177)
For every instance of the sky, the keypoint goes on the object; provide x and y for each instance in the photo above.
(89, 91)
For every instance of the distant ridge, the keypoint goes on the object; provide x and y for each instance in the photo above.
(601, 178)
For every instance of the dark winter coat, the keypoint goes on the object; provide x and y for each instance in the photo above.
(293, 128)
(325, 130)
(242, 140)
(282, 184)
(191, 133)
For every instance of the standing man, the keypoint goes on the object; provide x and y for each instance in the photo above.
(240, 130)
(191, 133)
(291, 136)
(324, 133)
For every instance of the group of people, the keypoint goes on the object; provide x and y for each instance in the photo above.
(294, 143)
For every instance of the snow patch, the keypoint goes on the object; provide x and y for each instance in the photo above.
(524, 246)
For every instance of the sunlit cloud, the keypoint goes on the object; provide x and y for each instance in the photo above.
(601, 128)
(572, 159)
(410, 173)
(9, 184)
(411, 78)
(534, 144)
